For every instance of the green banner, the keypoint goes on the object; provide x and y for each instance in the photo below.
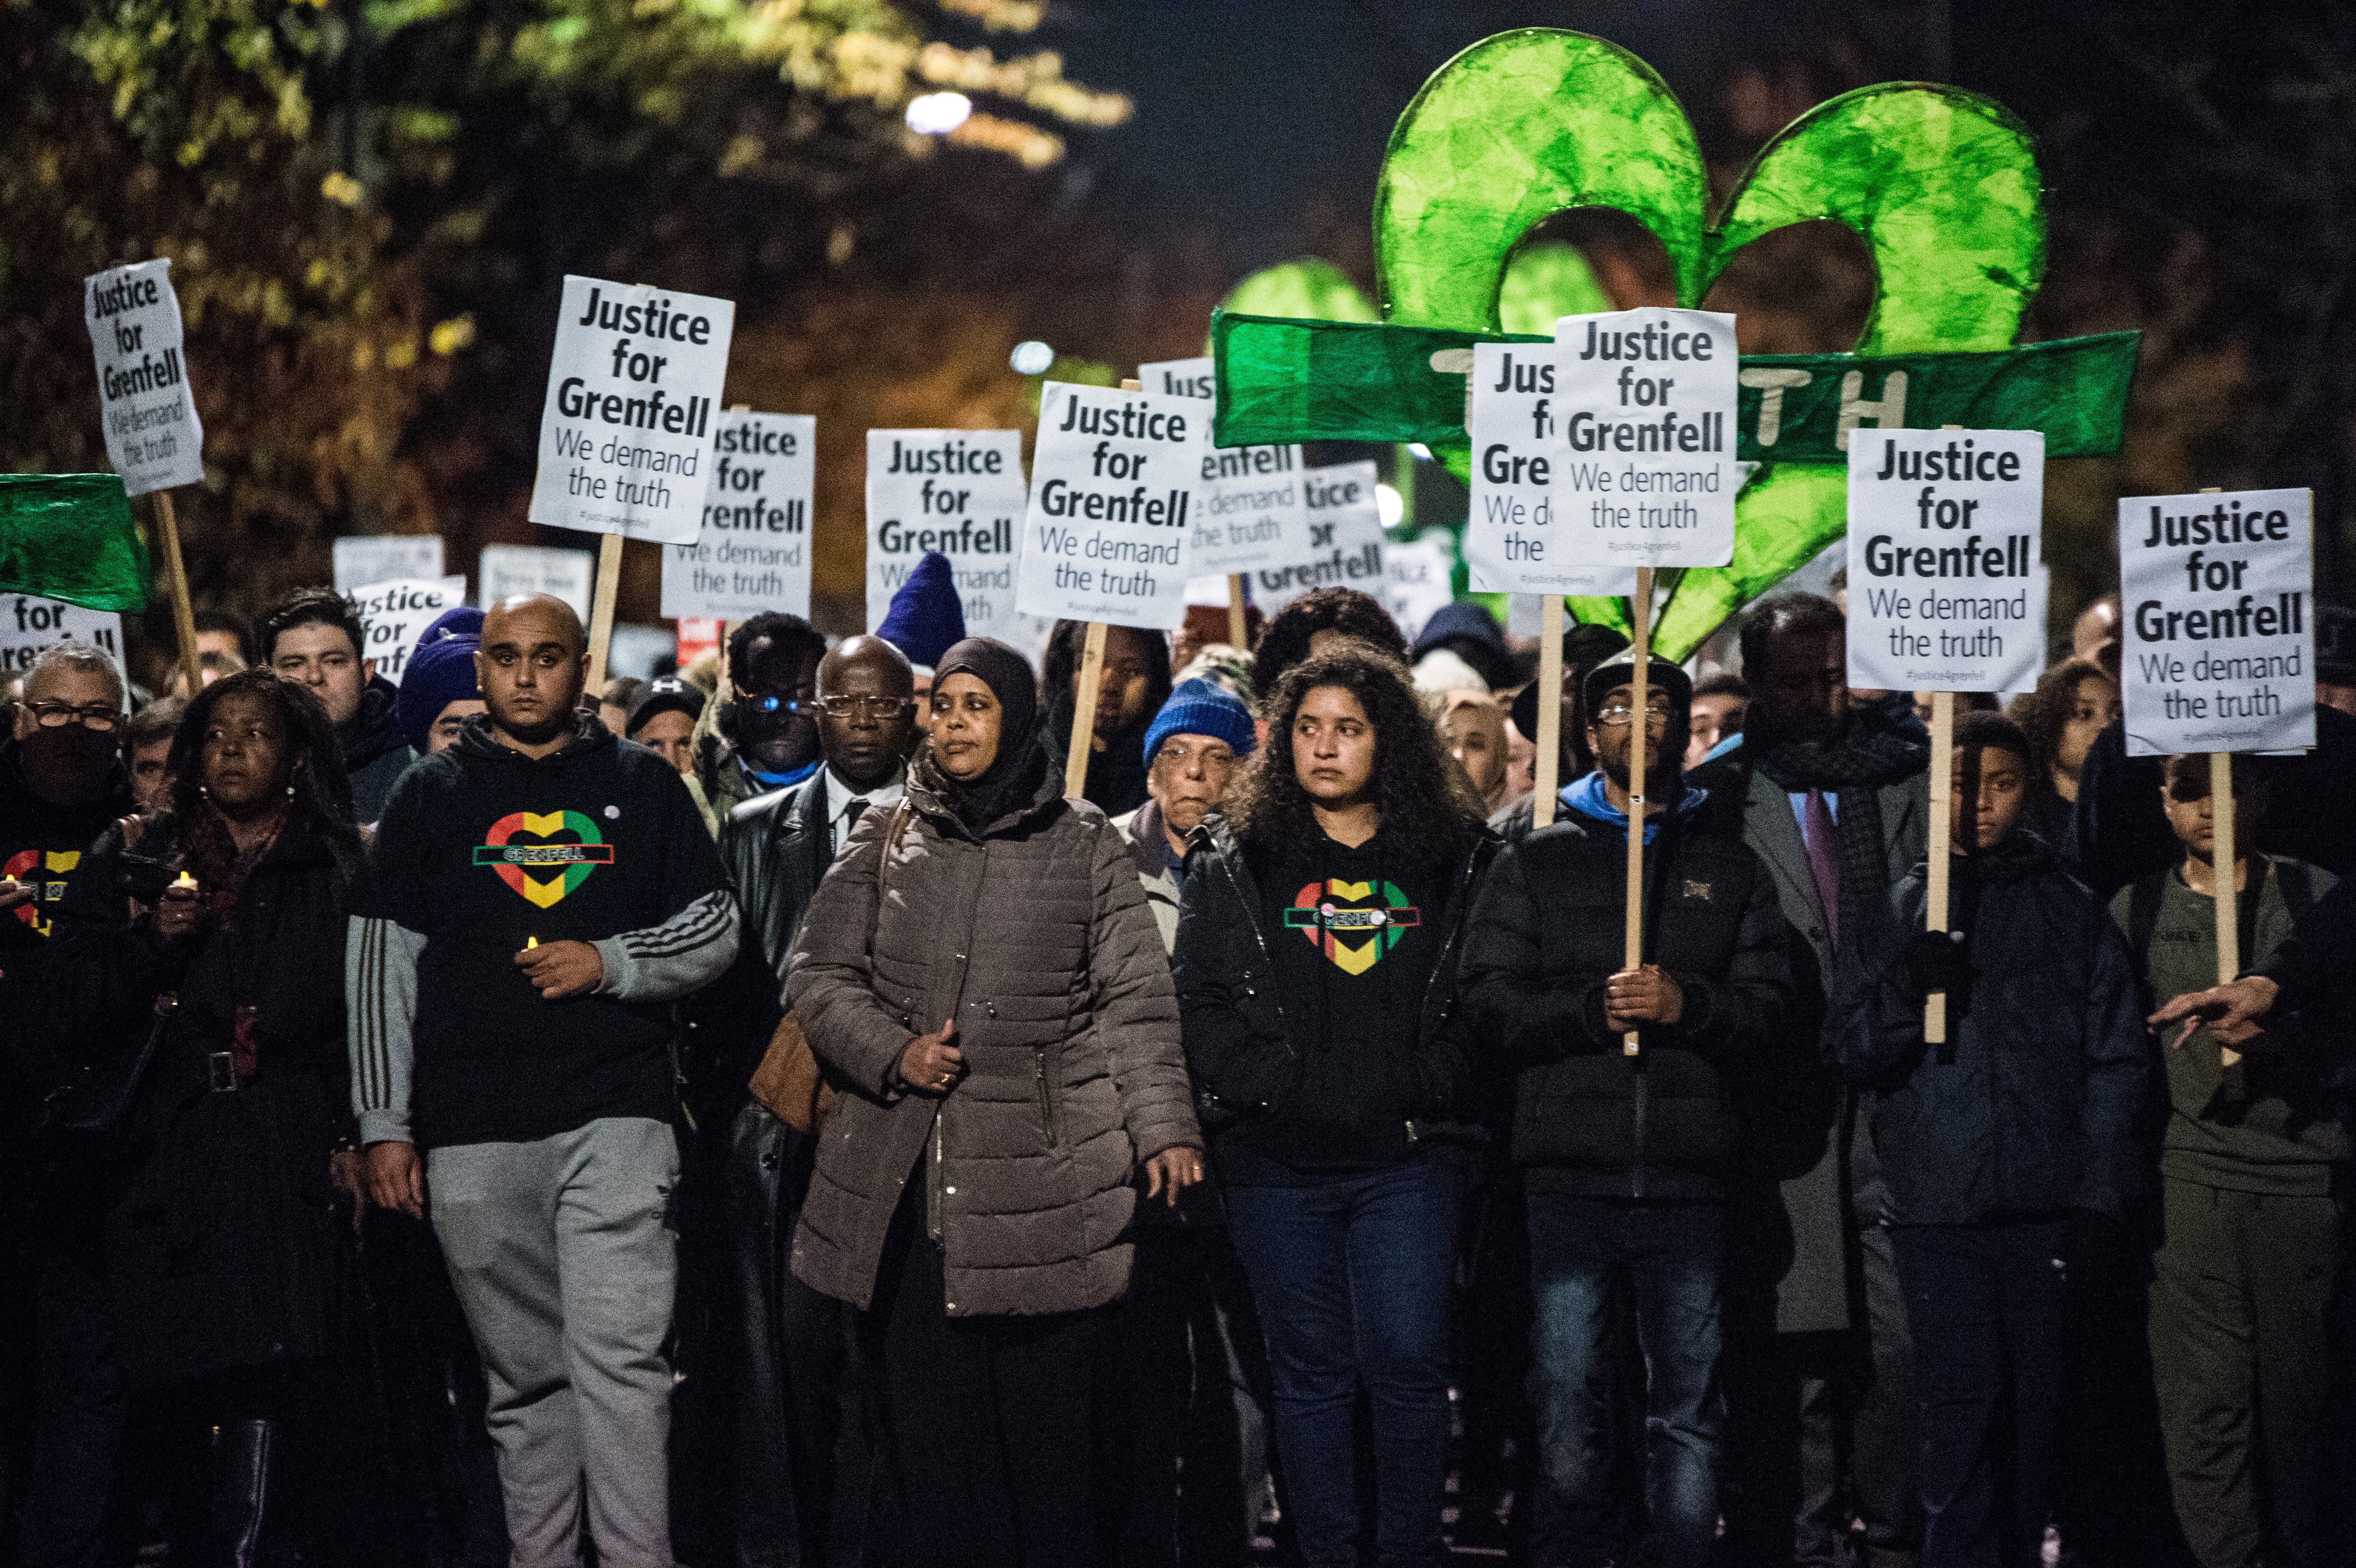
(70, 537)
(1284, 381)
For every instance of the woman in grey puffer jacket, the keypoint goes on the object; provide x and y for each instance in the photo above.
(974, 1183)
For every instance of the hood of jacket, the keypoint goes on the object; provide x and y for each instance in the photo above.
(589, 733)
(373, 729)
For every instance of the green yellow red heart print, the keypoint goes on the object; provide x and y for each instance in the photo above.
(510, 859)
(1323, 920)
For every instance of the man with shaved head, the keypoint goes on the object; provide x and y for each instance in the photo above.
(535, 897)
(776, 847)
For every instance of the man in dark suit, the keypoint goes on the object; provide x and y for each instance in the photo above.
(1831, 798)
(789, 1500)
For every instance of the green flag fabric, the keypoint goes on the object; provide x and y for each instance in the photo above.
(70, 537)
(1283, 381)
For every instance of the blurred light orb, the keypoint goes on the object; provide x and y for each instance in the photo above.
(1389, 507)
(938, 114)
(1032, 358)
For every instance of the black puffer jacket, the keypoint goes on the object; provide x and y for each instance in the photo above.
(1551, 928)
(1244, 1062)
(220, 1249)
(2033, 1105)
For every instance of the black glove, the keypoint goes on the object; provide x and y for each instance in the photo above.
(1935, 961)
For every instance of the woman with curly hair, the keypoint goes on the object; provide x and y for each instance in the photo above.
(2075, 701)
(1316, 963)
(214, 933)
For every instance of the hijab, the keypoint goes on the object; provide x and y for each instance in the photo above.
(1014, 775)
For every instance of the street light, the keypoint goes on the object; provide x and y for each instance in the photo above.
(938, 114)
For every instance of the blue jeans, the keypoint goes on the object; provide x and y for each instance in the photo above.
(1987, 1304)
(1352, 1282)
(1584, 1254)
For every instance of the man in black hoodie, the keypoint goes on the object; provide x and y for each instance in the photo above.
(315, 639)
(1623, 1153)
(534, 897)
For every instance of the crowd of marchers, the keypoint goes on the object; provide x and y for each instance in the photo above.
(755, 1116)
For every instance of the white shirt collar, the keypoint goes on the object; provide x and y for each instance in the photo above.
(839, 795)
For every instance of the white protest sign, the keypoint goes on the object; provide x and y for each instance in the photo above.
(1418, 582)
(1345, 540)
(153, 436)
(626, 432)
(1511, 542)
(396, 614)
(30, 624)
(1112, 491)
(1946, 581)
(1644, 458)
(2217, 652)
(752, 551)
(956, 491)
(509, 570)
(363, 558)
(1250, 511)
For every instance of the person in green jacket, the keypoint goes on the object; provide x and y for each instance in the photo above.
(2251, 1253)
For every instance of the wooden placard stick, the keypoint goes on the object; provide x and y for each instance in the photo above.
(601, 610)
(2224, 869)
(1639, 721)
(1549, 740)
(1238, 633)
(1942, 847)
(1091, 678)
(175, 580)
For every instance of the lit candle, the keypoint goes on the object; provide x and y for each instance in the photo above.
(185, 880)
(531, 941)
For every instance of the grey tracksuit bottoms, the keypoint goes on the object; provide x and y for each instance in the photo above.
(564, 1262)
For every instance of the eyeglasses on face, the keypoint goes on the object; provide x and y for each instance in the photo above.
(93, 715)
(1618, 715)
(876, 708)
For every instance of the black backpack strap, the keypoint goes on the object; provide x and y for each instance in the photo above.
(2143, 916)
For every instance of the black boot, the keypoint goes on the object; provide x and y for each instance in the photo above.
(241, 1485)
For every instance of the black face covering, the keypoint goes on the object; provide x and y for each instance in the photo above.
(1014, 774)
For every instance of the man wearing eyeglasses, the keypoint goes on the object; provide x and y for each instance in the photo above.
(1626, 1156)
(761, 733)
(62, 783)
(854, 710)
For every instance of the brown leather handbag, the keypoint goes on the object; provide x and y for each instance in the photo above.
(789, 1083)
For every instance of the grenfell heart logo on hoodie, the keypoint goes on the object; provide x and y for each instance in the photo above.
(1320, 919)
(510, 859)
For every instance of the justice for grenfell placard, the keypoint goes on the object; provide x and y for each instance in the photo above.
(1250, 510)
(153, 436)
(956, 491)
(2217, 650)
(1345, 540)
(1946, 581)
(1511, 542)
(625, 435)
(752, 551)
(1644, 469)
(1112, 503)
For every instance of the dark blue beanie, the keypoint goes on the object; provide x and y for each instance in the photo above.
(925, 615)
(441, 671)
(1198, 708)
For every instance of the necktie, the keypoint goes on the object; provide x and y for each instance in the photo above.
(851, 811)
(1824, 860)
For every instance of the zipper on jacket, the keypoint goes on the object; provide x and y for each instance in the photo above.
(934, 1193)
(1641, 1102)
(1046, 1099)
(1268, 961)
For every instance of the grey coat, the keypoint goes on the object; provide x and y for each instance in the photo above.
(1035, 937)
(1818, 1165)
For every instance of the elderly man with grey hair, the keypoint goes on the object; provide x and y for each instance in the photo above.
(62, 783)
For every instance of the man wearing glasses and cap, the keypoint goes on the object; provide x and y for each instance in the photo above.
(841, 726)
(761, 734)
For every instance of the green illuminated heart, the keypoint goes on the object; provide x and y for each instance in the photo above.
(1941, 184)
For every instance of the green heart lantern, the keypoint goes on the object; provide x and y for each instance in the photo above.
(1941, 184)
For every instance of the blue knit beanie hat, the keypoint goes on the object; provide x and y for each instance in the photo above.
(1198, 708)
(925, 615)
(441, 671)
